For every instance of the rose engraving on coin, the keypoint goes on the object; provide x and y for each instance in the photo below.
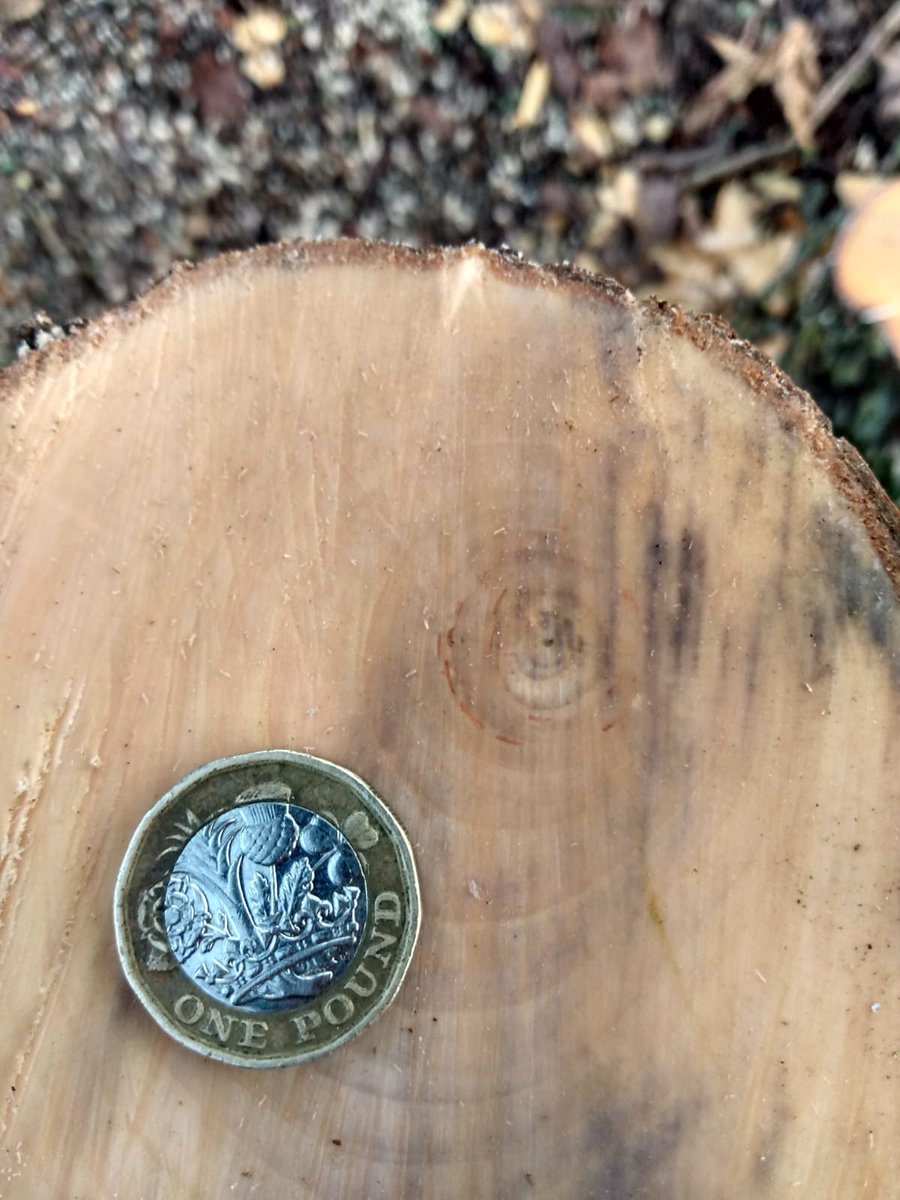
(267, 908)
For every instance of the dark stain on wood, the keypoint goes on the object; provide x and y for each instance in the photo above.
(611, 557)
(817, 641)
(860, 589)
(630, 1156)
(755, 651)
(656, 557)
(687, 620)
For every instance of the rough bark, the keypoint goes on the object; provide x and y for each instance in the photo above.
(588, 592)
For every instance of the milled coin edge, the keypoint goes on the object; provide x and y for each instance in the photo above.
(125, 947)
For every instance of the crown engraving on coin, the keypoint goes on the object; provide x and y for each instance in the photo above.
(267, 908)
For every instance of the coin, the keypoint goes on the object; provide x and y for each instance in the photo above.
(267, 908)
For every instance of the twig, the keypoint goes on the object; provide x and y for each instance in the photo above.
(674, 162)
(834, 91)
(837, 87)
(745, 159)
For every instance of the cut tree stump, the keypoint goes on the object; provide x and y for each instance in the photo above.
(591, 595)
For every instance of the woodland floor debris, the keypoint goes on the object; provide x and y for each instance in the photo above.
(697, 151)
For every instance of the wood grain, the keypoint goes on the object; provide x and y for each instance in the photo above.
(589, 593)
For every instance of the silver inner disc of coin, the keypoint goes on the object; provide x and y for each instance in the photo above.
(265, 906)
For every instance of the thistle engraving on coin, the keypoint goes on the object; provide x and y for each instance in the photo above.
(267, 908)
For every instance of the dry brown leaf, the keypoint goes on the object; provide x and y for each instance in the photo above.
(622, 194)
(603, 225)
(789, 66)
(778, 188)
(218, 90)
(776, 345)
(756, 268)
(262, 27)
(796, 78)
(586, 261)
(265, 68)
(736, 210)
(734, 223)
(856, 188)
(737, 79)
(535, 91)
(19, 10)
(257, 36)
(448, 18)
(502, 26)
(732, 256)
(731, 51)
(691, 278)
(593, 135)
(27, 106)
(633, 51)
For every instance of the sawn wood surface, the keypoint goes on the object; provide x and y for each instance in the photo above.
(588, 592)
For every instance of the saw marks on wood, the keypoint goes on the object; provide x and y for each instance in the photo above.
(587, 592)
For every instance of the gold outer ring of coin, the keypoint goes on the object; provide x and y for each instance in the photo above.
(387, 945)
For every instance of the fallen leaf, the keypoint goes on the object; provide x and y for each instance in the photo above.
(796, 79)
(535, 91)
(733, 53)
(623, 192)
(218, 89)
(19, 10)
(257, 36)
(617, 200)
(602, 226)
(731, 86)
(855, 188)
(449, 17)
(26, 107)
(789, 66)
(778, 188)
(776, 345)
(734, 255)
(261, 27)
(601, 89)
(633, 51)
(734, 222)
(593, 135)
(756, 268)
(264, 68)
(501, 26)
(691, 278)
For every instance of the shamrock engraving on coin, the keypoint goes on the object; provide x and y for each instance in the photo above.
(267, 908)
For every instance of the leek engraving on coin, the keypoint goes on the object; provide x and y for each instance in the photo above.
(267, 908)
